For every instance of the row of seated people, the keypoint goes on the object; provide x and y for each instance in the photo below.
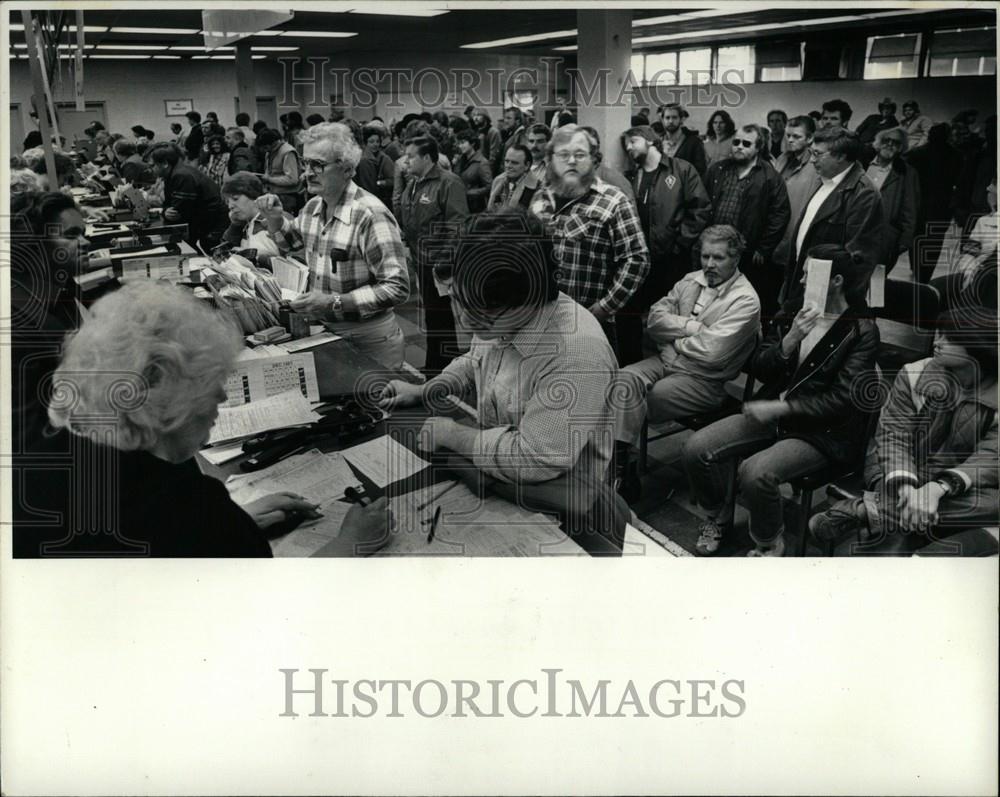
(550, 396)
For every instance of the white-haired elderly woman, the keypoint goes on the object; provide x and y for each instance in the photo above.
(352, 245)
(141, 382)
(899, 186)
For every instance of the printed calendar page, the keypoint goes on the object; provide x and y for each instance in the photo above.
(264, 377)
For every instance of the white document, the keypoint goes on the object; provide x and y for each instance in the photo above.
(290, 274)
(276, 412)
(217, 455)
(308, 343)
(317, 477)
(817, 282)
(153, 268)
(261, 377)
(156, 250)
(384, 461)
(107, 229)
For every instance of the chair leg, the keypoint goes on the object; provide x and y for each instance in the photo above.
(805, 508)
(643, 448)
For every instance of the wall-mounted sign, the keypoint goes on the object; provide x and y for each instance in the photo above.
(178, 107)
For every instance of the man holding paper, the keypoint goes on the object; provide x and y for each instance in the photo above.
(540, 364)
(816, 368)
(351, 245)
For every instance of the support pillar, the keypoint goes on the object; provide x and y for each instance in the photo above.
(246, 89)
(604, 55)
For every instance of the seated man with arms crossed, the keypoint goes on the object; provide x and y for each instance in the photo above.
(931, 474)
(540, 364)
(705, 329)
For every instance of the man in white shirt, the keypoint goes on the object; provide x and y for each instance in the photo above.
(845, 210)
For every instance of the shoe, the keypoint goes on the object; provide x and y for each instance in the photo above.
(776, 548)
(838, 522)
(710, 536)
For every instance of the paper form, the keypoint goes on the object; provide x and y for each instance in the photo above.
(220, 454)
(317, 477)
(256, 378)
(473, 526)
(876, 287)
(817, 287)
(384, 460)
(276, 412)
(155, 268)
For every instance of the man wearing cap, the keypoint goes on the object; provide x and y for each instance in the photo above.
(673, 210)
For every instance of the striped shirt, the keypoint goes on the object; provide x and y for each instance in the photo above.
(357, 252)
(598, 243)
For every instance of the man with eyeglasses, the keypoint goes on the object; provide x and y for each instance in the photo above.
(352, 245)
(517, 185)
(599, 244)
(748, 194)
(899, 188)
(431, 199)
(844, 211)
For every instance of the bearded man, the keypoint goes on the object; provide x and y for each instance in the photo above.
(598, 242)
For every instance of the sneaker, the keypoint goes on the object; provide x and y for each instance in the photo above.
(709, 537)
(838, 522)
(776, 548)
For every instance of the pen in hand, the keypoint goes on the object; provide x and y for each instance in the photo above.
(353, 495)
(434, 525)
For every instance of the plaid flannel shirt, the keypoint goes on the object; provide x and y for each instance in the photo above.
(358, 252)
(599, 245)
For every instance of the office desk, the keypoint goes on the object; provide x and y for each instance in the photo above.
(344, 372)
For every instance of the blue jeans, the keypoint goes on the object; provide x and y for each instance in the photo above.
(767, 462)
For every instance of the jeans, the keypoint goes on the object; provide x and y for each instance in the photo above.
(767, 463)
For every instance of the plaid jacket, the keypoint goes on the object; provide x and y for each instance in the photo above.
(358, 251)
(599, 245)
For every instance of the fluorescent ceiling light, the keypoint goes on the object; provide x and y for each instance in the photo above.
(20, 46)
(685, 15)
(164, 31)
(273, 49)
(259, 57)
(86, 28)
(537, 37)
(427, 12)
(319, 34)
(16, 27)
(268, 33)
(73, 46)
(789, 25)
(131, 47)
(200, 48)
(121, 57)
(222, 58)
(166, 58)
(568, 49)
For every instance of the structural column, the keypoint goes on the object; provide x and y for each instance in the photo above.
(604, 54)
(246, 89)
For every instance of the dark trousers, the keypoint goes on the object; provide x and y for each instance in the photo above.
(629, 333)
(439, 322)
(927, 247)
(766, 280)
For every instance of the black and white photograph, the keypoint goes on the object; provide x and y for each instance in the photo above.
(507, 332)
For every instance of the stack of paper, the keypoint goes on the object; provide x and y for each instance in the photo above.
(277, 412)
(257, 378)
(291, 275)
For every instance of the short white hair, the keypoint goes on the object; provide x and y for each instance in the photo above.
(25, 181)
(337, 138)
(147, 361)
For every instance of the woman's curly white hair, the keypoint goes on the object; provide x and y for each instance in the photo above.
(148, 360)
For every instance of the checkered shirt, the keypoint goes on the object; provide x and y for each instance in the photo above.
(599, 245)
(363, 231)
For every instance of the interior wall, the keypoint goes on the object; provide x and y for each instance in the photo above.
(939, 98)
(134, 92)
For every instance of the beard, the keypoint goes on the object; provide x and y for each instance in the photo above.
(571, 186)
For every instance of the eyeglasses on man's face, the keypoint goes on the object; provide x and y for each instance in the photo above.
(317, 166)
(744, 142)
(566, 156)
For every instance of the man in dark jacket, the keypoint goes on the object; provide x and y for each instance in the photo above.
(241, 158)
(190, 197)
(431, 197)
(805, 417)
(900, 191)
(673, 210)
(195, 138)
(938, 165)
(678, 141)
(845, 211)
(747, 193)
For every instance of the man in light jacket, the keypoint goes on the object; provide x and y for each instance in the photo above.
(706, 328)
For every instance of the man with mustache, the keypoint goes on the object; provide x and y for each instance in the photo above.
(599, 245)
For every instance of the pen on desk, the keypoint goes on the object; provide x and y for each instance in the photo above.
(434, 525)
(437, 497)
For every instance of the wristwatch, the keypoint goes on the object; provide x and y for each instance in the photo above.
(951, 483)
(943, 485)
(337, 304)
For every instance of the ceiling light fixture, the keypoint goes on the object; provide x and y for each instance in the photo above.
(164, 31)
